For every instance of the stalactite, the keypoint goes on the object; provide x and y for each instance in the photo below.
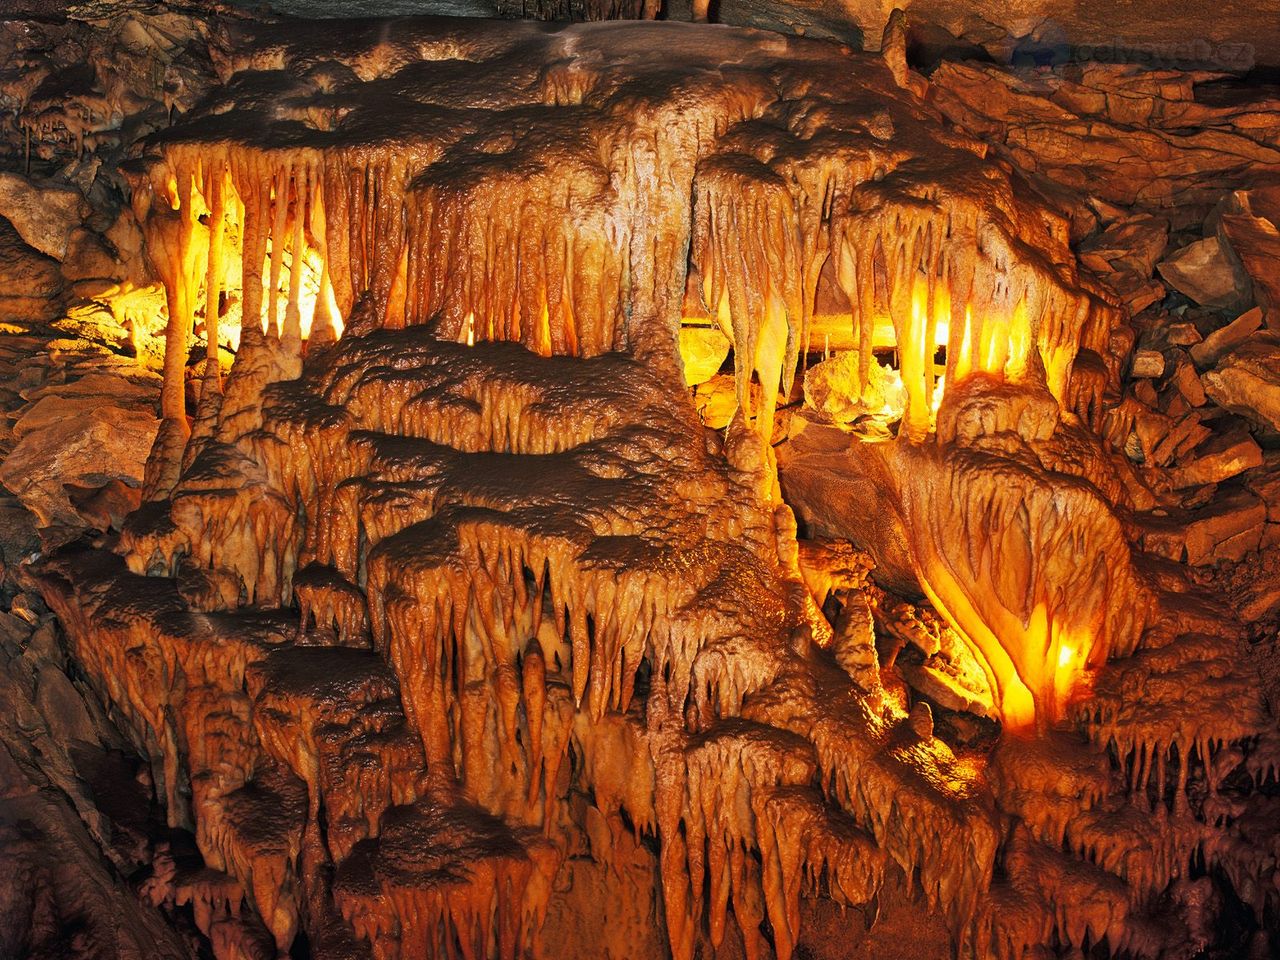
(423, 240)
(215, 194)
(528, 581)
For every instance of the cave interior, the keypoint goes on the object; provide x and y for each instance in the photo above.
(626, 481)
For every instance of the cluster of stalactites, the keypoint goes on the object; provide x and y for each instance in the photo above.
(446, 254)
(273, 214)
(226, 226)
(578, 10)
(450, 622)
(447, 880)
(945, 276)
(549, 272)
(454, 252)
(1031, 567)
(750, 788)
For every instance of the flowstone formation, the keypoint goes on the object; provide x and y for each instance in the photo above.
(450, 628)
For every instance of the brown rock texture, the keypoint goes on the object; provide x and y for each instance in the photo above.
(398, 576)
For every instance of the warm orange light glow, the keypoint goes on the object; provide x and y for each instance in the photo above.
(998, 342)
(915, 361)
(1031, 676)
(309, 295)
(1019, 342)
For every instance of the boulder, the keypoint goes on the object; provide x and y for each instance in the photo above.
(1147, 364)
(1182, 376)
(31, 285)
(104, 507)
(703, 350)
(1255, 242)
(44, 214)
(832, 389)
(1226, 529)
(1246, 381)
(1134, 244)
(1220, 457)
(1182, 334)
(839, 487)
(1183, 436)
(85, 441)
(90, 257)
(1206, 353)
(1266, 484)
(1208, 273)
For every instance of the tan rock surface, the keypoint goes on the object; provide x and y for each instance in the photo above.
(44, 213)
(462, 635)
(80, 442)
(1206, 272)
(1246, 380)
(31, 285)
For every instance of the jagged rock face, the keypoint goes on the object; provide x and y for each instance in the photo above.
(445, 604)
(549, 578)
(33, 286)
(86, 434)
(396, 158)
(530, 542)
(1007, 526)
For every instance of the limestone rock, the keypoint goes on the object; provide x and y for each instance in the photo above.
(62, 707)
(1223, 339)
(1182, 376)
(1183, 334)
(1124, 256)
(1147, 364)
(125, 237)
(831, 388)
(716, 401)
(18, 537)
(30, 284)
(105, 386)
(1115, 131)
(838, 487)
(1220, 457)
(1207, 272)
(1255, 242)
(1246, 380)
(1228, 528)
(1136, 242)
(44, 214)
(703, 350)
(85, 441)
(104, 507)
(90, 257)
(1257, 586)
(893, 46)
(1266, 484)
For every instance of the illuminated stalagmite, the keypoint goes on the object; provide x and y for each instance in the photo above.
(413, 618)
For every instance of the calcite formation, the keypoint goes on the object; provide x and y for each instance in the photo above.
(447, 626)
